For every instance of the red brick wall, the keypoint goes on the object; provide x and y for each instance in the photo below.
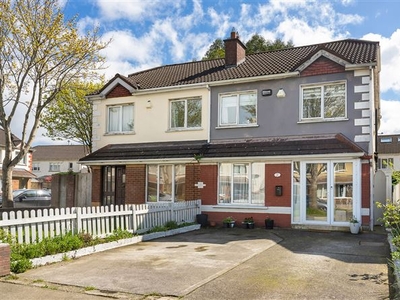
(284, 180)
(322, 65)
(135, 184)
(209, 176)
(192, 177)
(96, 185)
(118, 91)
(365, 191)
(5, 253)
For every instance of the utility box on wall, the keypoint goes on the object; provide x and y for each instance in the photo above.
(278, 190)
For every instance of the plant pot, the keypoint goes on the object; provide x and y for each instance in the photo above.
(269, 224)
(250, 225)
(354, 228)
(229, 225)
(202, 219)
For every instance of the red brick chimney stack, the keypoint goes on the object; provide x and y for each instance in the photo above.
(235, 50)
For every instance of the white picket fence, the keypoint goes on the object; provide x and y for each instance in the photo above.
(35, 225)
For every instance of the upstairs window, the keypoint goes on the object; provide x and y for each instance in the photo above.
(185, 113)
(238, 109)
(36, 167)
(120, 118)
(386, 140)
(324, 102)
(54, 167)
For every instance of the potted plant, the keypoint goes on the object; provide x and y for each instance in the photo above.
(229, 222)
(248, 223)
(269, 223)
(354, 225)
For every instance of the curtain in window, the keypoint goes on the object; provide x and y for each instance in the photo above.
(127, 118)
(113, 119)
(258, 183)
(225, 179)
(240, 183)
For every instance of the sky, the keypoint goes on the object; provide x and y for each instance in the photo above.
(149, 33)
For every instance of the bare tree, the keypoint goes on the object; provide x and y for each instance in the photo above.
(40, 53)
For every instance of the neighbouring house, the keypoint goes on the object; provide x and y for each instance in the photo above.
(287, 134)
(52, 159)
(389, 151)
(22, 176)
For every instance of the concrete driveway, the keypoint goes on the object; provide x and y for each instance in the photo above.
(234, 264)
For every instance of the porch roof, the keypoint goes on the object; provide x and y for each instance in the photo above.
(272, 147)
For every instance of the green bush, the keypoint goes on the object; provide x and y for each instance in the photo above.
(391, 215)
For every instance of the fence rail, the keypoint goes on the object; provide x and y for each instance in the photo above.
(35, 225)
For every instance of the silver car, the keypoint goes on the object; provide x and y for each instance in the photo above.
(31, 198)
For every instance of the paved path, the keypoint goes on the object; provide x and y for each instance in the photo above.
(230, 264)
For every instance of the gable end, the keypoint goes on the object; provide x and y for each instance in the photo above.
(321, 66)
(118, 91)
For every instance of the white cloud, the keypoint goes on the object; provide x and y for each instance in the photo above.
(390, 117)
(390, 59)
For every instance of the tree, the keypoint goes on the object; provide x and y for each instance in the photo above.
(216, 50)
(256, 44)
(40, 54)
(70, 115)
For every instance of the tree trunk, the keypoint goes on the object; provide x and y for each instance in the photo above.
(6, 182)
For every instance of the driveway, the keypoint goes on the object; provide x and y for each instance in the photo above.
(234, 264)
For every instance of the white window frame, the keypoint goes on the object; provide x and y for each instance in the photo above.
(386, 163)
(322, 117)
(249, 166)
(185, 100)
(237, 121)
(36, 166)
(120, 119)
(174, 184)
(54, 167)
(386, 140)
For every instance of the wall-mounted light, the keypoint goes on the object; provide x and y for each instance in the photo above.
(281, 93)
(267, 92)
(148, 104)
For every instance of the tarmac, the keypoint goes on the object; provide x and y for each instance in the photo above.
(220, 263)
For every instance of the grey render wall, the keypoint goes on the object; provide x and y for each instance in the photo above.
(279, 117)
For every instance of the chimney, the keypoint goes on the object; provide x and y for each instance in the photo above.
(235, 51)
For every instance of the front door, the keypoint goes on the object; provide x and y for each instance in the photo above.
(113, 185)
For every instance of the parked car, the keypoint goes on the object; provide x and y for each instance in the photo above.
(27, 198)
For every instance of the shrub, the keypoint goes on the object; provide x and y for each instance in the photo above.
(391, 215)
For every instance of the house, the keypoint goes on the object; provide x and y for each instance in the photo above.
(22, 176)
(286, 134)
(52, 159)
(389, 151)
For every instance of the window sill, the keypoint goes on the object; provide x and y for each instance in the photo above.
(321, 121)
(119, 133)
(184, 129)
(240, 206)
(237, 126)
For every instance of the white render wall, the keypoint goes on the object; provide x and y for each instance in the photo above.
(64, 167)
(150, 124)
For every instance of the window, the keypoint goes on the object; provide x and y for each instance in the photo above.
(386, 140)
(326, 101)
(54, 167)
(120, 118)
(23, 159)
(36, 167)
(242, 183)
(385, 163)
(185, 113)
(70, 166)
(166, 183)
(238, 109)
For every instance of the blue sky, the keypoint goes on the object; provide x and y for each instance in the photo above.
(150, 33)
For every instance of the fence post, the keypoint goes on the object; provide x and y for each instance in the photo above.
(134, 223)
(78, 221)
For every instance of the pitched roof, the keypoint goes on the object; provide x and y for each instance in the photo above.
(58, 152)
(278, 146)
(16, 140)
(259, 64)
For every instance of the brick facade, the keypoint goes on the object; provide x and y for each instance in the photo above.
(365, 191)
(322, 66)
(118, 91)
(284, 180)
(5, 253)
(192, 192)
(135, 184)
(96, 185)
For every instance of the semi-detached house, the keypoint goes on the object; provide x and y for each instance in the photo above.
(287, 134)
